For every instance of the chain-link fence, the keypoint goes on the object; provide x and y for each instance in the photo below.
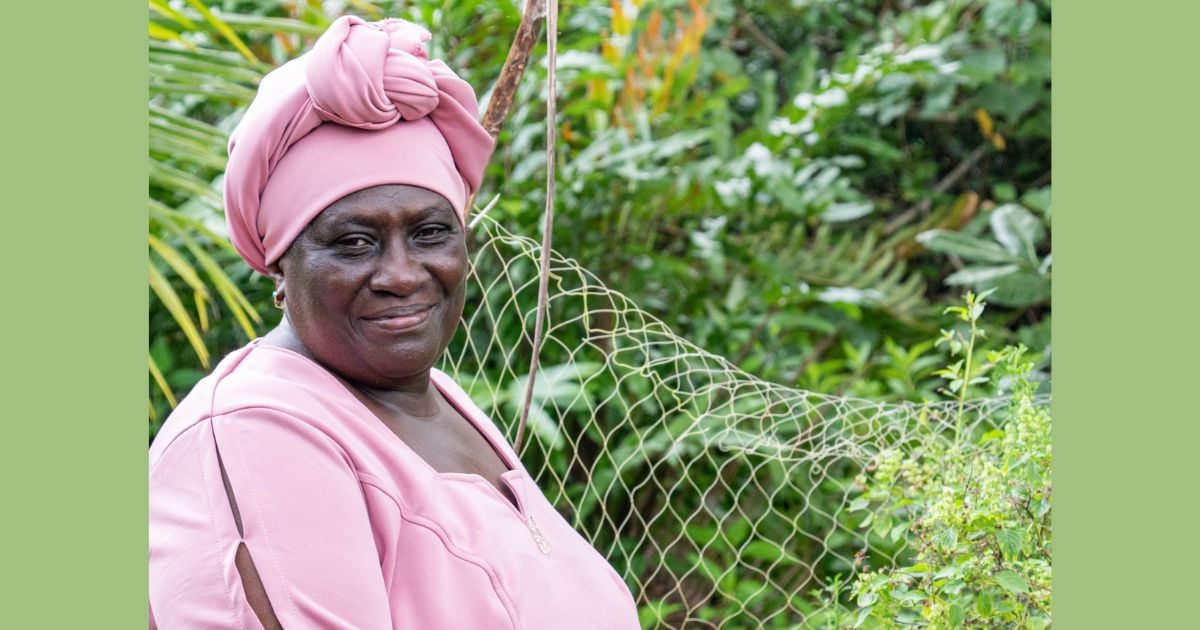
(724, 500)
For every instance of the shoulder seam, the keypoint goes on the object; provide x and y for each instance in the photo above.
(209, 417)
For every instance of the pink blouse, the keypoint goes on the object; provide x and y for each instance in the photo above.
(348, 527)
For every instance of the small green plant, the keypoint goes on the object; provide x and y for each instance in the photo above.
(962, 374)
(976, 512)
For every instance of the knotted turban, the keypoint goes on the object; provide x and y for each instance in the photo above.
(365, 107)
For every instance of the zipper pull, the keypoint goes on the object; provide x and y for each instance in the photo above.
(538, 538)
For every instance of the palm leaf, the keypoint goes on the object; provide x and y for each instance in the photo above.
(177, 180)
(232, 297)
(170, 299)
(158, 31)
(184, 269)
(224, 29)
(162, 385)
(162, 8)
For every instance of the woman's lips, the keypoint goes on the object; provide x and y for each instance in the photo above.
(401, 319)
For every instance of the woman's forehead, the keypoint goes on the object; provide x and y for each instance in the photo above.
(389, 201)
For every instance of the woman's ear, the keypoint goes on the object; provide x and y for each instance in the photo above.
(275, 273)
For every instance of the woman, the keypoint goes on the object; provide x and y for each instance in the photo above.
(326, 475)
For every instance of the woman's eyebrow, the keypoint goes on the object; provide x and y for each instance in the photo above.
(437, 208)
(349, 222)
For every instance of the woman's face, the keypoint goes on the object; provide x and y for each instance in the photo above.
(375, 284)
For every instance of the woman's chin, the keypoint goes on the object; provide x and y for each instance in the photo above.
(393, 368)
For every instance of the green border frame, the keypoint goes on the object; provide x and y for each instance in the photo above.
(1125, 122)
(1125, 437)
(75, 315)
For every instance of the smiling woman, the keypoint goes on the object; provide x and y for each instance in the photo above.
(375, 284)
(326, 475)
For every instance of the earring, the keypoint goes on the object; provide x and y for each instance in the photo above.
(277, 297)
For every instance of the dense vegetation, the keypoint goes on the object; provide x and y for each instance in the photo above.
(802, 187)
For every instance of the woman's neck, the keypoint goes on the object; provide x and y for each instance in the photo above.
(414, 396)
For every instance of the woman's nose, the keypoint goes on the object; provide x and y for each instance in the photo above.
(398, 271)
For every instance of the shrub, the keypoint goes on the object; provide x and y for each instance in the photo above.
(977, 514)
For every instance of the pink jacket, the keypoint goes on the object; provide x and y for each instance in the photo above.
(348, 528)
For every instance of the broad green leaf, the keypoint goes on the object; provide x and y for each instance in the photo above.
(979, 273)
(1011, 581)
(990, 435)
(1038, 199)
(1004, 191)
(983, 604)
(1011, 541)
(1018, 231)
(954, 587)
(956, 615)
(701, 534)
(863, 614)
(737, 294)
(946, 539)
(968, 247)
(858, 504)
(1009, 100)
(873, 147)
(652, 614)
(767, 551)
(737, 531)
(541, 424)
(1023, 288)
(983, 65)
(847, 211)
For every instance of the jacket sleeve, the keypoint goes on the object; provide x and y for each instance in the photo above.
(304, 522)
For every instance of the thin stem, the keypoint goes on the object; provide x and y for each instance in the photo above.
(966, 383)
(505, 88)
(548, 226)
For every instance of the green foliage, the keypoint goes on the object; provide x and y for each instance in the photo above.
(765, 168)
(1007, 266)
(977, 515)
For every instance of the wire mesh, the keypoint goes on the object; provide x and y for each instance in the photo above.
(723, 500)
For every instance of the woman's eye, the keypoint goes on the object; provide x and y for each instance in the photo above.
(432, 233)
(354, 242)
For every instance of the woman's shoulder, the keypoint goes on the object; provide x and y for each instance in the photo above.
(255, 379)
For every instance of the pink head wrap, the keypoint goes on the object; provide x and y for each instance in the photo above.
(365, 107)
